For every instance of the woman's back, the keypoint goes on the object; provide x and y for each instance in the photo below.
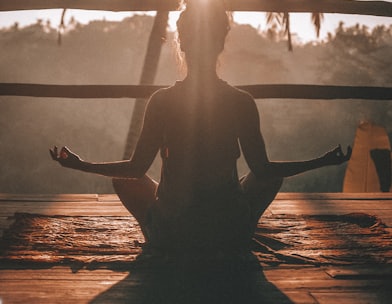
(199, 193)
(200, 139)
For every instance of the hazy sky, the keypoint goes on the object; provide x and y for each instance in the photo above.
(300, 23)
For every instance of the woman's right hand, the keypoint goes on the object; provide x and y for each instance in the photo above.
(337, 156)
(66, 157)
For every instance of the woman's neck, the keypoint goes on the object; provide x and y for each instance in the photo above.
(198, 74)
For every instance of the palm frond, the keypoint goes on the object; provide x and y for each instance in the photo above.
(287, 31)
(61, 27)
(274, 18)
(283, 20)
(317, 18)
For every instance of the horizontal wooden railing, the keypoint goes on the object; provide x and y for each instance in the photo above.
(376, 8)
(293, 91)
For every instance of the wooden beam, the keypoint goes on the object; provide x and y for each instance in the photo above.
(149, 72)
(376, 8)
(289, 91)
(103, 5)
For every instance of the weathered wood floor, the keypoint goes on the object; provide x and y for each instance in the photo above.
(281, 284)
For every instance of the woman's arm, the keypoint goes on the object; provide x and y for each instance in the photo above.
(253, 148)
(119, 169)
(286, 169)
(145, 152)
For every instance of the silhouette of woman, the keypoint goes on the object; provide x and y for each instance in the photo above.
(200, 126)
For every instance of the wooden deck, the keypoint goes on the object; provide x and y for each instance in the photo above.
(366, 283)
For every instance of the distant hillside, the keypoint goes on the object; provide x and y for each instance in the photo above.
(112, 53)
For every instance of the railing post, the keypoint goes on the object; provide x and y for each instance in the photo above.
(151, 62)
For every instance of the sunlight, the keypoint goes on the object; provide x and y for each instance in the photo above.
(203, 2)
(301, 22)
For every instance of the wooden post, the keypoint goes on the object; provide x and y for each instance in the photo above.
(136, 196)
(151, 62)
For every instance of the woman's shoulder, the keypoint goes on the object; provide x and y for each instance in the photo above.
(165, 93)
(238, 95)
(160, 98)
(161, 93)
(235, 91)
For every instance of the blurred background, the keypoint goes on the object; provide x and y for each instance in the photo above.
(112, 52)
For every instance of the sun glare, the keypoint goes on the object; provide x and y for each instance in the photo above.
(300, 22)
(203, 2)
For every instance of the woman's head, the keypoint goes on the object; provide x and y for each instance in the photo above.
(202, 30)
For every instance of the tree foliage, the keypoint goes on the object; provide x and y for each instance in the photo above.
(103, 52)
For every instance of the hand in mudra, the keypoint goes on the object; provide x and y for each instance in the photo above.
(337, 156)
(65, 157)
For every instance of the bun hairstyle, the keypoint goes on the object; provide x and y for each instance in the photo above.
(203, 22)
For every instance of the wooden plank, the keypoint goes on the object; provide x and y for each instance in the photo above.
(55, 292)
(62, 208)
(290, 91)
(355, 204)
(108, 198)
(72, 212)
(386, 217)
(292, 272)
(333, 195)
(357, 297)
(57, 285)
(60, 205)
(377, 8)
(114, 197)
(327, 210)
(280, 206)
(301, 297)
(61, 272)
(53, 284)
(321, 209)
(106, 205)
(61, 283)
(302, 283)
(363, 272)
(298, 284)
(48, 197)
(348, 203)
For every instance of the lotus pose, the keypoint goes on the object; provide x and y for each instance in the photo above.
(200, 126)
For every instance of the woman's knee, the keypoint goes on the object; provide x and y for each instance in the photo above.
(253, 185)
(137, 195)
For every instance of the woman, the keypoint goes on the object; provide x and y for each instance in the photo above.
(200, 125)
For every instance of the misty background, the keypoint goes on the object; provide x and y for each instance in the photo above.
(104, 52)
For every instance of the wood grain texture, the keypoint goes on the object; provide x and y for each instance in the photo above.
(278, 284)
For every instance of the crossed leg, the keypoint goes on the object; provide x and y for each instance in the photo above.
(259, 193)
(137, 195)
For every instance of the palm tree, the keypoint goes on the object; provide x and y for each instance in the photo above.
(317, 18)
(283, 20)
(61, 27)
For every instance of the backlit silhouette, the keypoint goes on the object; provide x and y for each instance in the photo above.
(200, 126)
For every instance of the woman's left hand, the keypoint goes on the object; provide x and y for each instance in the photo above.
(336, 156)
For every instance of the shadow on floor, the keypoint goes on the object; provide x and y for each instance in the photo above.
(201, 283)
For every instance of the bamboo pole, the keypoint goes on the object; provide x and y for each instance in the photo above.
(150, 67)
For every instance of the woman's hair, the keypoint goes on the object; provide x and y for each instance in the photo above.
(203, 22)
